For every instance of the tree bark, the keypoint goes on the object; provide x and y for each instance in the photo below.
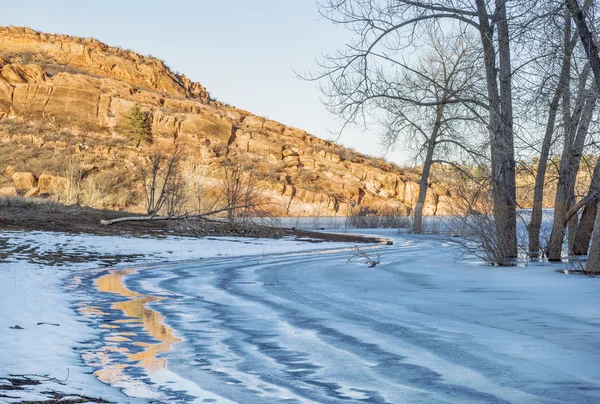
(591, 49)
(586, 224)
(584, 231)
(593, 263)
(576, 128)
(501, 129)
(538, 194)
(423, 184)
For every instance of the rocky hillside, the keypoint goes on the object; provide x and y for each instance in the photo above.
(64, 103)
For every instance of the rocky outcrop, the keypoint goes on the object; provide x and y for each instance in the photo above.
(97, 86)
(24, 181)
(91, 55)
(48, 184)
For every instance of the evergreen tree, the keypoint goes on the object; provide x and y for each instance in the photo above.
(139, 125)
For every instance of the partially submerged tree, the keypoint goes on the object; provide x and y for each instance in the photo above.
(585, 228)
(424, 110)
(385, 29)
(589, 40)
(568, 44)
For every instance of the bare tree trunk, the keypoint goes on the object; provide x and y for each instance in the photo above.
(501, 127)
(538, 194)
(418, 213)
(591, 49)
(576, 128)
(586, 224)
(584, 231)
(593, 263)
(572, 226)
(431, 143)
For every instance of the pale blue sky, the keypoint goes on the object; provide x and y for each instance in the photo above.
(243, 52)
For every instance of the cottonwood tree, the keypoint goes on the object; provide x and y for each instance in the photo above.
(576, 121)
(585, 228)
(424, 110)
(386, 28)
(578, 105)
(589, 39)
(558, 80)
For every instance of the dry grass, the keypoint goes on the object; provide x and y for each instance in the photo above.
(45, 61)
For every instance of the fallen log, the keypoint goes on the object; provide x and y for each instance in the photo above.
(171, 217)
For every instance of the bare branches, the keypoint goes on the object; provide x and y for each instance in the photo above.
(587, 37)
(369, 261)
(239, 191)
(163, 185)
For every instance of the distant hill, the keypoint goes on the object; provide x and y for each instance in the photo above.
(64, 103)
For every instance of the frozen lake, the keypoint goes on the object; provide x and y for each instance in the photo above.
(420, 327)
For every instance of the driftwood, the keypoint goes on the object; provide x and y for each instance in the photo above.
(370, 262)
(171, 217)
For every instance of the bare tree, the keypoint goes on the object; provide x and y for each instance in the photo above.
(163, 185)
(442, 127)
(576, 123)
(239, 191)
(534, 227)
(589, 40)
(593, 263)
(583, 236)
(385, 29)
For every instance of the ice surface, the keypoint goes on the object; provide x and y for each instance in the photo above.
(39, 272)
(260, 323)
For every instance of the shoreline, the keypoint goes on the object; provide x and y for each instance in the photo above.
(39, 298)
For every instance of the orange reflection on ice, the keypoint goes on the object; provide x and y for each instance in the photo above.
(137, 308)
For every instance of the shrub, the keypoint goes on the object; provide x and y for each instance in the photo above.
(362, 218)
(139, 125)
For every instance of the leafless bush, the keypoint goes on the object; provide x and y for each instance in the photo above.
(200, 188)
(362, 218)
(369, 261)
(163, 185)
(473, 225)
(240, 192)
(476, 234)
(433, 226)
(90, 193)
(70, 189)
(475, 231)
(106, 189)
(346, 153)
(366, 221)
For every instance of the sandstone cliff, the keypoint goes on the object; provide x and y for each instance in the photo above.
(83, 89)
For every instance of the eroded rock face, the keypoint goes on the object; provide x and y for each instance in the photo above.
(49, 184)
(98, 85)
(24, 181)
(93, 56)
